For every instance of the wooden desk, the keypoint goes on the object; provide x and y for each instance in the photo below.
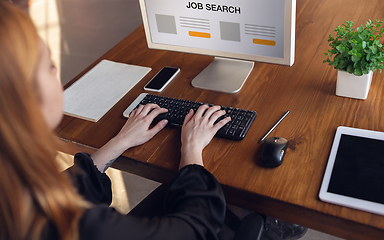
(307, 89)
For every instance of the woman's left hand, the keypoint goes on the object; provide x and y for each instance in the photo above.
(197, 132)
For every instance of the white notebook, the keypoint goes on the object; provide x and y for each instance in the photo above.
(97, 91)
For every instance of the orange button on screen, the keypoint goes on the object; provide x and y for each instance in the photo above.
(199, 34)
(264, 42)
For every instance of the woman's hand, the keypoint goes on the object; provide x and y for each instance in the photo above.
(135, 132)
(198, 131)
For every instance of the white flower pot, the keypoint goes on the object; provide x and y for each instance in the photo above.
(349, 85)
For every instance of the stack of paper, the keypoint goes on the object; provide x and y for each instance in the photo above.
(97, 91)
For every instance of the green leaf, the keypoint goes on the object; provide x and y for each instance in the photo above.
(374, 49)
(360, 29)
(355, 58)
(335, 64)
(358, 72)
(340, 48)
(350, 69)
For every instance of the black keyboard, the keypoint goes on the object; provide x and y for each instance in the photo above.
(236, 129)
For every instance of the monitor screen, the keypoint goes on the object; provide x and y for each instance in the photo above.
(257, 30)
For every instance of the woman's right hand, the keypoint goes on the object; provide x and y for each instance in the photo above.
(135, 132)
(197, 132)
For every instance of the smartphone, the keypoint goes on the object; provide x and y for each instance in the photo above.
(162, 79)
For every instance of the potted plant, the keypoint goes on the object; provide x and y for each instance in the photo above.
(356, 53)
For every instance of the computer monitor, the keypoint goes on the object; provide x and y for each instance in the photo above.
(237, 33)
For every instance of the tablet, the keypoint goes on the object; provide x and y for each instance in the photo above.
(354, 176)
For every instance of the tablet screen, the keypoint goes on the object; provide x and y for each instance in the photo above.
(358, 171)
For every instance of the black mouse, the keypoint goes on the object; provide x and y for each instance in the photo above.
(273, 153)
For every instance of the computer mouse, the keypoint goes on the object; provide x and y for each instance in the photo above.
(273, 153)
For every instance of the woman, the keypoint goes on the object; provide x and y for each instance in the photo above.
(39, 202)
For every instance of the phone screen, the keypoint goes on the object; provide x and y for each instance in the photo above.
(162, 78)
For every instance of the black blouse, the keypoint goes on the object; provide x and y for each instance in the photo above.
(193, 207)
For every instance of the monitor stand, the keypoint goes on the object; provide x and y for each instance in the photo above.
(224, 75)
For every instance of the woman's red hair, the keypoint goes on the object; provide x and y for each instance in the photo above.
(33, 192)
